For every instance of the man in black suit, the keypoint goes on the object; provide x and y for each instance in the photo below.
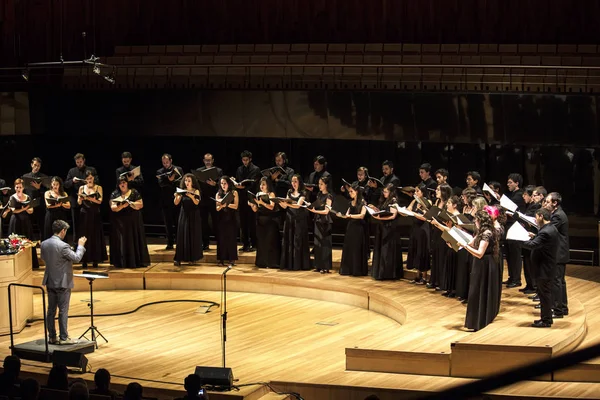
(247, 217)
(169, 178)
(513, 247)
(36, 191)
(209, 189)
(473, 179)
(320, 169)
(282, 182)
(561, 222)
(543, 256)
(387, 168)
(531, 206)
(75, 179)
(427, 180)
(136, 183)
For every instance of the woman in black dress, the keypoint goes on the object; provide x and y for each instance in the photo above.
(128, 248)
(418, 250)
(54, 208)
(294, 250)
(387, 260)
(268, 251)
(355, 253)
(484, 298)
(90, 198)
(322, 237)
(439, 247)
(227, 205)
(450, 266)
(464, 260)
(189, 226)
(20, 222)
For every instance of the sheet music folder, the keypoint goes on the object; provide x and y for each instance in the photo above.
(92, 275)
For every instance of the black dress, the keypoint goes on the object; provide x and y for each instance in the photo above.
(387, 260)
(189, 232)
(355, 252)
(227, 235)
(128, 248)
(52, 214)
(464, 262)
(20, 224)
(90, 226)
(484, 297)
(268, 239)
(418, 247)
(322, 236)
(295, 254)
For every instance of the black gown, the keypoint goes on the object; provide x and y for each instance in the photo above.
(418, 248)
(52, 214)
(128, 248)
(387, 256)
(323, 245)
(484, 289)
(90, 226)
(355, 253)
(227, 235)
(20, 224)
(295, 253)
(268, 239)
(189, 232)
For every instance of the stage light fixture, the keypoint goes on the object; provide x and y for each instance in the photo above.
(25, 75)
(96, 70)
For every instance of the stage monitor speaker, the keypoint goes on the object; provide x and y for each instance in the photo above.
(215, 376)
(70, 359)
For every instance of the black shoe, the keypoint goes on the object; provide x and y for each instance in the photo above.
(540, 324)
(533, 297)
(524, 289)
(452, 295)
(557, 316)
(446, 294)
(316, 270)
(251, 249)
(506, 282)
(430, 286)
(242, 249)
(205, 248)
(537, 306)
(169, 247)
(84, 265)
(464, 301)
(536, 299)
(95, 265)
(528, 291)
(177, 263)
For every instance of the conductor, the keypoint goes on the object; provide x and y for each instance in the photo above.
(58, 279)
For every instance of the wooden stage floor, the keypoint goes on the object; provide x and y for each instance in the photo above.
(324, 336)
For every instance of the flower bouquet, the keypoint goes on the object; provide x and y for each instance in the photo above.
(14, 244)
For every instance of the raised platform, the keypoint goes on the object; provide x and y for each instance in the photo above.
(36, 349)
(427, 338)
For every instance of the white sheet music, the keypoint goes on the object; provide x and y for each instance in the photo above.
(487, 188)
(527, 218)
(404, 211)
(518, 233)
(461, 237)
(507, 203)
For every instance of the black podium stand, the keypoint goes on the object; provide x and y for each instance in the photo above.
(91, 277)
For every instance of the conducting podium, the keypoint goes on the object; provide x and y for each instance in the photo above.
(91, 276)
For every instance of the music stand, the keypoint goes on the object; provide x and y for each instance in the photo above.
(91, 277)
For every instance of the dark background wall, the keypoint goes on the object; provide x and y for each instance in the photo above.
(550, 140)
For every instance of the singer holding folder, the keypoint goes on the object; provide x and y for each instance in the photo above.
(189, 225)
(227, 202)
(20, 222)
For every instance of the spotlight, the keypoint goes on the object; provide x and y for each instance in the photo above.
(96, 70)
(110, 77)
(25, 75)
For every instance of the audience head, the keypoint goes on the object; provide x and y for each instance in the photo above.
(79, 391)
(58, 378)
(133, 391)
(192, 384)
(102, 379)
(30, 389)
(12, 366)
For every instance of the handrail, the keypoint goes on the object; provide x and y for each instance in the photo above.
(12, 344)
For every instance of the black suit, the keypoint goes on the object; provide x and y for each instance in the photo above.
(543, 257)
(69, 184)
(167, 207)
(513, 247)
(39, 212)
(528, 267)
(137, 183)
(561, 222)
(247, 216)
(207, 207)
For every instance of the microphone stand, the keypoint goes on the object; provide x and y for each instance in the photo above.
(224, 313)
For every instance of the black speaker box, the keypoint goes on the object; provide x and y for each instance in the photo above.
(70, 359)
(215, 376)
